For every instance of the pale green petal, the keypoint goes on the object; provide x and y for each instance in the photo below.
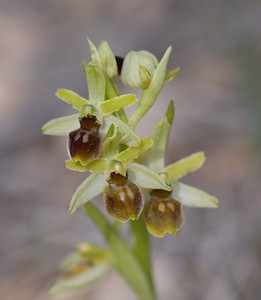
(146, 178)
(151, 93)
(108, 59)
(132, 153)
(185, 165)
(94, 54)
(97, 165)
(61, 126)
(171, 74)
(78, 283)
(160, 135)
(71, 98)
(114, 104)
(190, 196)
(91, 187)
(130, 137)
(95, 81)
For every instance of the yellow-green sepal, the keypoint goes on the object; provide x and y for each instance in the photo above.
(97, 165)
(72, 98)
(110, 106)
(94, 54)
(146, 178)
(185, 165)
(171, 74)
(61, 126)
(95, 81)
(193, 197)
(160, 135)
(132, 153)
(107, 59)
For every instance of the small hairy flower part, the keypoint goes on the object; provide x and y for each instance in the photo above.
(85, 143)
(123, 199)
(89, 122)
(163, 214)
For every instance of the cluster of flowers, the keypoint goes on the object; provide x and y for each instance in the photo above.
(130, 171)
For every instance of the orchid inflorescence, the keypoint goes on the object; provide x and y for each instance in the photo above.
(128, 170)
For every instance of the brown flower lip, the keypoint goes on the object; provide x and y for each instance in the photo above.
(123, 199)
(163, 214)
(85, 143)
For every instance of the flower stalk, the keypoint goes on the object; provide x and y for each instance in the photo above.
(130, 172)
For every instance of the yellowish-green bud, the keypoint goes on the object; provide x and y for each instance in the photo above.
(138, 69)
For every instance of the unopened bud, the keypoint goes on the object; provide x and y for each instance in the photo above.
(138, 69)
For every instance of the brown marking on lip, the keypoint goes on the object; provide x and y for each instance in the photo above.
(163, 214)
(123, 202)
(85, 145)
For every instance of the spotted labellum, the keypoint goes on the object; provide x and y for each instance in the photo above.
(85, 143)
(123, 199)
(163, 214)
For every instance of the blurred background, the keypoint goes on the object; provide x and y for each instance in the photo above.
(217, 97)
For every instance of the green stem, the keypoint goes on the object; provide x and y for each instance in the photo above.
(122, 115)
(111, 92)
(122, 257)
(141, 246)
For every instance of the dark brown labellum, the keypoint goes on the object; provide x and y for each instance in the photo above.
(85, 143)
(123, 199)
(163, 214)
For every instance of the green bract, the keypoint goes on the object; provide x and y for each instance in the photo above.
(129, 170)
